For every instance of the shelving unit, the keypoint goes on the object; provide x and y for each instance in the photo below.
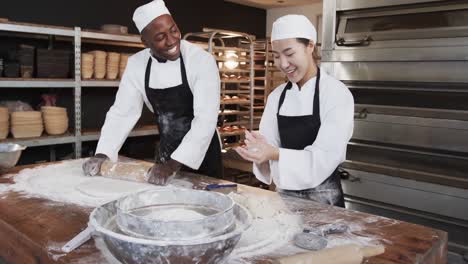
(267, 77)
(76, 36)
(237, 80)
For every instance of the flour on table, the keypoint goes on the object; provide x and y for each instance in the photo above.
(65, 182)
(104, 187)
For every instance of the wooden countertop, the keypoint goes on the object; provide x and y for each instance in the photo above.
(32, 230)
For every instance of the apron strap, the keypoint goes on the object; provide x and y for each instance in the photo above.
(147, 72)
(316, 106)
(283, 94)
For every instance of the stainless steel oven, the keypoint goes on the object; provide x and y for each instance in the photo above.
(406, 63)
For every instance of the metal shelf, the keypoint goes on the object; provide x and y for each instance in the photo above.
(238, 102)
(36, 83)
(255, 87)
(255, 117)
(236, 91)
(238, 59)
(76, 36)
(233, 112)
(87, 35)
(256, 96)
(100, 83)
(234, 70)
(93, 135)
(256, 107)
(44, 140)
(235, 81)
(36, 29)
(230, 48)
(235, 133)
(89, 135)
(237, 123)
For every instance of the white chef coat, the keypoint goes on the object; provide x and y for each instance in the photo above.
(203, 78)
(308, 168)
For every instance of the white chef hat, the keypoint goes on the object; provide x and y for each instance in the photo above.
(293, 26)
(144, 14)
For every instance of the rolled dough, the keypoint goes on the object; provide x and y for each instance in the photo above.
(100, 187)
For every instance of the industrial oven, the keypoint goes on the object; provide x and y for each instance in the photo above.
(406, 63)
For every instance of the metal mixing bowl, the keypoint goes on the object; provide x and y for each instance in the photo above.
(142, 214)
(9, 154)
(129, 249)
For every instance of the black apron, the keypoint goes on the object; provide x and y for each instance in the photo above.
(298, 132)
(173, 107)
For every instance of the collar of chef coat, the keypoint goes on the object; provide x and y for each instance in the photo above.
(299, 102)
(165, 74)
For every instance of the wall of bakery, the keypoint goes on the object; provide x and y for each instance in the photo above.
(190, 15)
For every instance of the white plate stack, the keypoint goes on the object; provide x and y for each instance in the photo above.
(113, 60)
(4, 122)
(123, 63)
(87, 65)
(55, 119)
(26, 124)
(99, 64)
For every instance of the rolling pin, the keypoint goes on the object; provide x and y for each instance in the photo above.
(346, 254)
(126, 169)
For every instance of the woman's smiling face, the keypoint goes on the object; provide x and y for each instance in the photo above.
(294, 59)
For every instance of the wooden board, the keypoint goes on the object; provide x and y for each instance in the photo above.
(32, 230)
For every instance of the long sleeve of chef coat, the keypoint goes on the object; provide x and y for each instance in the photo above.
(308, 168)
(124, 113)
(205, 86)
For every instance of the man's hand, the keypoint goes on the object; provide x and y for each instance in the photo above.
(257, 149)
(161, 174)
(92, 166)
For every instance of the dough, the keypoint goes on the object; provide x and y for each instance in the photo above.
(100, 187)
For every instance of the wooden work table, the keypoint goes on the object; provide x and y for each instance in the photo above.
(32, 230)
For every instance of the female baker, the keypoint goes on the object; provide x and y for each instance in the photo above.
(307, 122)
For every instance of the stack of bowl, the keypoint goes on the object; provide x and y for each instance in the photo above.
(26, 124)
(99, 64)
(55, 119)
(113, 60)
(87, 65)
(123, 63)
(4, 122)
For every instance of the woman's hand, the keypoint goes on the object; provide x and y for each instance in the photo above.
(257, 149)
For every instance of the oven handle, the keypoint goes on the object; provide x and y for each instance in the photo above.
(352, 43)
(361, 115)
